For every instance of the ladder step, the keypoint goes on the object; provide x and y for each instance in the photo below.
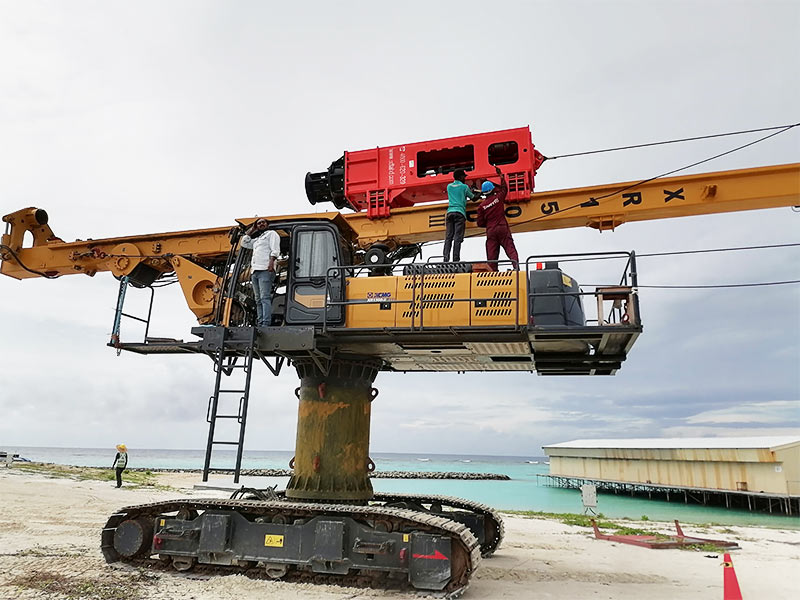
(227, 443)
(232, 391)
(226, 469)
(227, 417)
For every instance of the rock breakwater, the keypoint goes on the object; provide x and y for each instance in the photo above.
(375, 475)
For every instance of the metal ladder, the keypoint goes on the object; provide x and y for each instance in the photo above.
(119, 313)
(233, 357)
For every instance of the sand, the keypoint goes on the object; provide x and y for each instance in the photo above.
(50, 531)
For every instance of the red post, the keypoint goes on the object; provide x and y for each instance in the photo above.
(730, 584)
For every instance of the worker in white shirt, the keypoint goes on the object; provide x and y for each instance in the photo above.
(265, 244)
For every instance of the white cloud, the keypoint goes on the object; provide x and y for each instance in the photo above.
(774, 412)
(121, 120)
(742, 431)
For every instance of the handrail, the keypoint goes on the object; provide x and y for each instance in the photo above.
(422, 301)
(418, 301)
(119, 312)
(591, 256)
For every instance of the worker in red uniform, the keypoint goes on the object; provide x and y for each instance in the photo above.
(491, 214)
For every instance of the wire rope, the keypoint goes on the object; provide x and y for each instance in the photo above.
(675, 141)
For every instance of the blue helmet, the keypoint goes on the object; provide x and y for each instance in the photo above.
(487, 187)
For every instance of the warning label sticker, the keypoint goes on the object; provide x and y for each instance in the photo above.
(273, 541)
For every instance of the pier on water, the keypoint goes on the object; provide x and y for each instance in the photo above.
(759, 474)
(753, 501)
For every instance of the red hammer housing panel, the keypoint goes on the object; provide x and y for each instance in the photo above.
(380, 179)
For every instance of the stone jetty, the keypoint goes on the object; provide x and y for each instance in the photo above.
(376, 474)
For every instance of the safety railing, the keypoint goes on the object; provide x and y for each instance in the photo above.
(119, 313)
(417, 299)
(624, 309)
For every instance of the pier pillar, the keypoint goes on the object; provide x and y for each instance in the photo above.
(333, 422)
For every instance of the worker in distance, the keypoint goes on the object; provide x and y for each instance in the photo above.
(120, 462)
(492, 216)
(266, 247)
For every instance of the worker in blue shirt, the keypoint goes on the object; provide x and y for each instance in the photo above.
(457, 194)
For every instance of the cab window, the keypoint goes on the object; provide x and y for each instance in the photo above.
(315, 253)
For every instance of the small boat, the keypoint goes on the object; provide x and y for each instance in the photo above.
(14, 457)
(424, 459)
(532, 462)
(466, 460)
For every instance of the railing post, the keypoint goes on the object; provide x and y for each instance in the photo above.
(123, 286)
(516, 292)
(635, 285)
(325, 309)
(422, 300)
(149, 314)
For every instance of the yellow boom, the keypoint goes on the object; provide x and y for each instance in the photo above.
(687, 195)
(188, 253)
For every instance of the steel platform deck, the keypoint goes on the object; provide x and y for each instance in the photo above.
(573, 350)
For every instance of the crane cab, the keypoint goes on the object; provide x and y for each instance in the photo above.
(413, 316)
(443, 316)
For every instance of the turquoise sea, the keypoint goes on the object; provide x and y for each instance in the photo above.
(525, 491)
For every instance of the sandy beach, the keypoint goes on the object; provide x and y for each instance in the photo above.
(50, 532)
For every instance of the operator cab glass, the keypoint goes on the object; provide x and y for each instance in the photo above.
(315, 251)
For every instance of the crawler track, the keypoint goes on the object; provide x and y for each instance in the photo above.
(466, 552)
(494, 530)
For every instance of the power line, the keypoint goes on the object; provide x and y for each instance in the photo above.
(689, 139)
(683, 252)
(704, 251)
(699, 162)
(722, 285)
(679, 252)
(676, 252)
(648, 180)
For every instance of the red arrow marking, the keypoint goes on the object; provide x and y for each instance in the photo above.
(435, 556)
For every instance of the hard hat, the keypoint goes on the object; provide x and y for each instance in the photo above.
(487, 187)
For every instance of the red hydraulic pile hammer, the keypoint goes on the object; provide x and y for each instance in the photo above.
(380, 179)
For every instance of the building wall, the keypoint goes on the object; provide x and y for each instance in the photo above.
(756, 470)
(678, 454)
(789, 458)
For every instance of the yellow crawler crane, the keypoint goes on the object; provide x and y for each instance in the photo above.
(347, 307)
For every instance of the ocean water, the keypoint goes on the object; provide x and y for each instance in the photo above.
(525, 491)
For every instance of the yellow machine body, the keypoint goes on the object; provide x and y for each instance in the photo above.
(437, 300)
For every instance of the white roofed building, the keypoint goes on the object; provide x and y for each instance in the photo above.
(767, 466)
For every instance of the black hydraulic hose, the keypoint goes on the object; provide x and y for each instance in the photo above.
(26, 268)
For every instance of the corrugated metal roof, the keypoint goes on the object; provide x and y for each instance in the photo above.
(658, 443)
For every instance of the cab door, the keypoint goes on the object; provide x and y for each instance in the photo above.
(315, 249)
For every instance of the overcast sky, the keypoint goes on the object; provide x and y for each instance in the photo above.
(124, 118)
